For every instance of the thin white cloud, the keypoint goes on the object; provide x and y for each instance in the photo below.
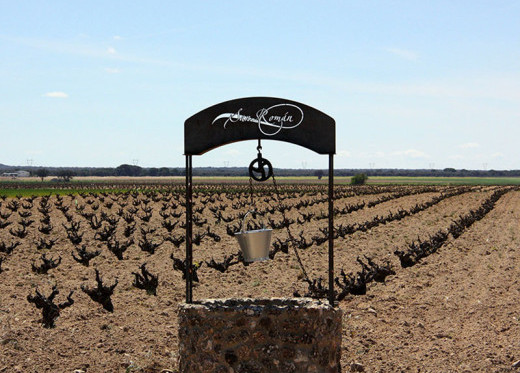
(343, 153)
(478, 157)
(456, 157)
(232, 152)
(469, 145)
(370, 155)
(91, 50)
(503, 86)
(412, 153)
(117, 37)
(112, 70)
(403, 53)
(56, 95)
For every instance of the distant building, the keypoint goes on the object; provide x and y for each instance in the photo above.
(16, 174)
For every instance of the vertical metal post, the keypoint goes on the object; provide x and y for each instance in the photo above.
(189, 229)
(331, 229)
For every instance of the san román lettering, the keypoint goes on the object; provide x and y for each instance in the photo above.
(270, 121)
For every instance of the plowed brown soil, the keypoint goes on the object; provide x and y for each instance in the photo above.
(455, 311)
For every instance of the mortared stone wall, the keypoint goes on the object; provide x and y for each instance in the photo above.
(259, 335)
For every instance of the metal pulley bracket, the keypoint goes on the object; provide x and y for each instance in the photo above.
(260, 169)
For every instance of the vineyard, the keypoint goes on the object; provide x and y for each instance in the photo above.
(426, 275)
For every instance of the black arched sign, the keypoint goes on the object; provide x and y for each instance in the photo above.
(256, 118)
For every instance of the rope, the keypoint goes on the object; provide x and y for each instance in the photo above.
(291, 238)
(277, 192)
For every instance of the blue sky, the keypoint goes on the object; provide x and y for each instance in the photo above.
(411, 84)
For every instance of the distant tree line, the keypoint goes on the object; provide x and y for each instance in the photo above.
(67, 173)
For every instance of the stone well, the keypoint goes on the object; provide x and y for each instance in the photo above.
(259, 335)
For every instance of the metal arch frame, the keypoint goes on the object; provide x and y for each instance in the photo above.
(189, 203)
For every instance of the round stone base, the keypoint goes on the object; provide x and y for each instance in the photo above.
(259, 335)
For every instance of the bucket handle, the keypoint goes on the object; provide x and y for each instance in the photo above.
(244, 219)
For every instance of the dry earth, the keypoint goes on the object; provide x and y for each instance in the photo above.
(455, 311)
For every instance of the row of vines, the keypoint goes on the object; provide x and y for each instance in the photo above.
(92, 227)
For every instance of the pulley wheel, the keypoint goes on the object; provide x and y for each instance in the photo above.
(260, 169)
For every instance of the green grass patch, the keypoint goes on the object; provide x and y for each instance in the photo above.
(27, 192)
(215, 184)
(430, 180)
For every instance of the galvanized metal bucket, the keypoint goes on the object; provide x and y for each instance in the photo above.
(254, 244)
